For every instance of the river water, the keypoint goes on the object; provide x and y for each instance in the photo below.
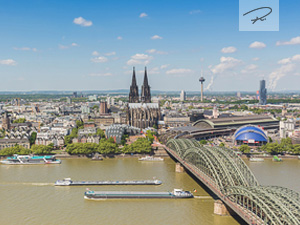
(28, 196)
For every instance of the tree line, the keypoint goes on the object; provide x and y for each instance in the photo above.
(20, 150)
(108, 146)
(274, 148)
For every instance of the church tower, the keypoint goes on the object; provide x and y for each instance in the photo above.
(5, 122)
(146, 95)
(134, 90)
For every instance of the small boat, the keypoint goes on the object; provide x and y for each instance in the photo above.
(69, 182)
(30, 160)
(151, 158)
(277, 159)
(256, 159)
(298, 156)
(102, 195)
(97, 157)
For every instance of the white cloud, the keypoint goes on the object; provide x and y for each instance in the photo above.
(154, 51)
(154, 70)
(256, 59)
(141, 56)
(63, 47)
(258, 45)
(210, 84)
(229, 49)
(100, 74)
(99, 59)
(285, 61)
(8, 62)
(68, 46)
(226, 63)
(119, 38)
(110, 53)
(156, 37)
(95, 53)
(82, 22)
(293, 41)
(25, 49)
(278, 73)
(249, 68)
(179, 71)
(295, 58)
(289, 66)
(139, 59)
(164, 66)
(197, 11)
(142, 15)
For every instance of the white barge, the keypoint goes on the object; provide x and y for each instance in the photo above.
(69, 182)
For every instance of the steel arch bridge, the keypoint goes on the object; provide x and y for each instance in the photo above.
(235, 184)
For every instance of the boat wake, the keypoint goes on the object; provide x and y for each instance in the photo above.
(27, 183)
(203, 197)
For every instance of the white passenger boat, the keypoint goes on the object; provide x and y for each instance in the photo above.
(30, 160)
(256, 160)
(151, 158)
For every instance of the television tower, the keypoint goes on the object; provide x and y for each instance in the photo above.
(201, 80)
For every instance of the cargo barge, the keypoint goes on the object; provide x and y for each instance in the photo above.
(102, 195)
(69, 182)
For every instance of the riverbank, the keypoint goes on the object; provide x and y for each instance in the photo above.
(270, 156)
(68, 156)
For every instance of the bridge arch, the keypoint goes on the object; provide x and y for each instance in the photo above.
(222, 169)
(263, 202)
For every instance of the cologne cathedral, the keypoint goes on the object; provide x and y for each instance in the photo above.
(141, 112)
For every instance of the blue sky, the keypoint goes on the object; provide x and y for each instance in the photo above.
(93, 45)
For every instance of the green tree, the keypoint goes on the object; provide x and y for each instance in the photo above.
(79, 124)
(221, 144)
(245, 148)
(149, 135)
(32, 138)
(141, 145)
(100, 133)
(41, 149)
(20, 120)
(20, 150)
(270, 139)
(203, 142)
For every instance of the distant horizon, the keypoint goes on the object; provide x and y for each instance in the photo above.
(126, 91)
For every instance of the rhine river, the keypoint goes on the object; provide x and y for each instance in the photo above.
(28, 195)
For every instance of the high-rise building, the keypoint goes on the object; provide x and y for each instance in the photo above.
(75, 94)
(182, 96)
(134, 90)
(69, 100)
(262, 93)
(103, 108)
(146, 94)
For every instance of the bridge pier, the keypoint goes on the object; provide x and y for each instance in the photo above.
(220, 208)
(179, 168)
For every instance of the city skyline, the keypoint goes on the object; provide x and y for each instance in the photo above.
(93, 46)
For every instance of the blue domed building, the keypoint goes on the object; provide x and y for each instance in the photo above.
(250, 135)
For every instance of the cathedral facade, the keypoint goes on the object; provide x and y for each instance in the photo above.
(141, 112)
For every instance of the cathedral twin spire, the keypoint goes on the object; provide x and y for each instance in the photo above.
(134, 91)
